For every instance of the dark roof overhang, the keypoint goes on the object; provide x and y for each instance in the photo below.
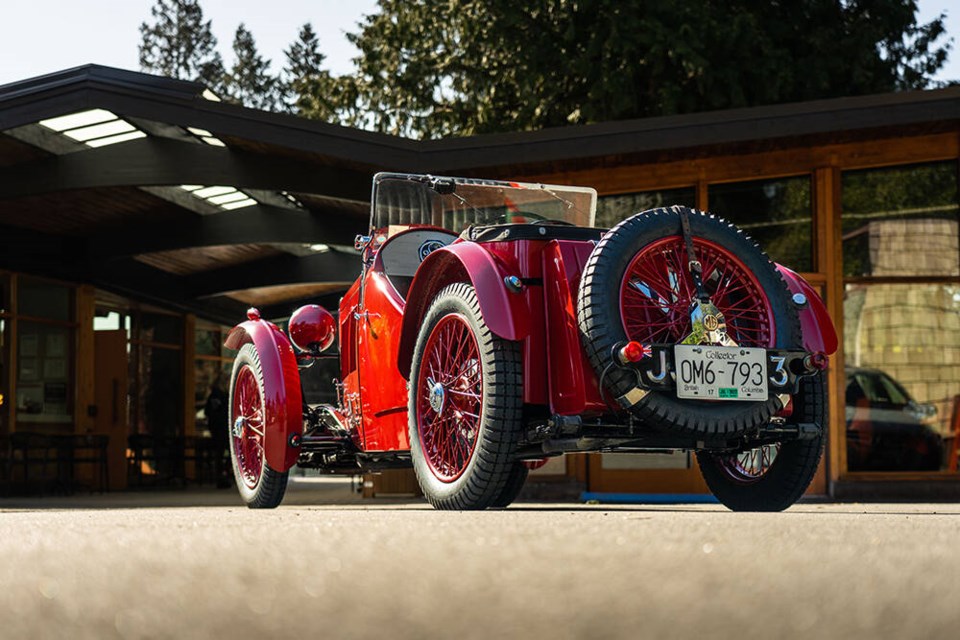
(327, 167)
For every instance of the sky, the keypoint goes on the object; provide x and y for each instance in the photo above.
(41, 36)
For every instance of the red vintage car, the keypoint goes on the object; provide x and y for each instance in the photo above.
(493, 326)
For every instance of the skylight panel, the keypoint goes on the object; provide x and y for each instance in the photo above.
(209, 192)
(111, 128)
(76, 120)
(123, 137)
(224, 197)
(95, 128)
(239, 204)
(228, 197)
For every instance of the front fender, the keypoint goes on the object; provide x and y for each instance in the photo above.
(819, 334)
(505, 313)
(282, 398)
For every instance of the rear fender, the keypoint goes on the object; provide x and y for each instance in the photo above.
(819, 334)
(283, 400)
(505, 313)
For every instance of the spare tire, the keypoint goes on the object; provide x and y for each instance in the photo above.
(637, 286)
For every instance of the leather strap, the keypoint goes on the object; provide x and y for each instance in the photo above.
(696, 269)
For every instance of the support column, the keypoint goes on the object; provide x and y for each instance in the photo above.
(829, 257)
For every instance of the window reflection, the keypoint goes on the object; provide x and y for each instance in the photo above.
(159, 393)
(775, 213)
(4, 376)
(901, 221)
(902, 346)
(161, 328)
(613, 209)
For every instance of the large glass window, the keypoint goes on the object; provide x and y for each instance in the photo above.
(161, 328)
(160, 391)
(902, 346)
(4, 293)
(156, 373)
(613, 209)
(4, 375)
(212, 368)
(901, 339)
(40, 299)
(44, 373)
(901, 221)
(775, 213)
(44, 367)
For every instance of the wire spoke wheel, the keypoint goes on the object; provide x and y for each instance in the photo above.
(750, 465)
(247, 432)
(657, 293)
(465, 406)
(450, 392)
(260, 486)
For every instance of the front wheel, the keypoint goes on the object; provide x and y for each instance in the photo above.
(770, 477)
(465, 404)
(260, 486)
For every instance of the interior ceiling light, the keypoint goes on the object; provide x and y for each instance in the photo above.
(228, 198)
(95, 128)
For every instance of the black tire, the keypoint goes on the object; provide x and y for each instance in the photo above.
(513, 487)
(601, 326)
(267, 491)
(481, 476)
(793, 467)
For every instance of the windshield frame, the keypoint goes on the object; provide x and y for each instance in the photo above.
(447, 185)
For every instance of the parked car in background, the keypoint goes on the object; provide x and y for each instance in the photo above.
(887, 430)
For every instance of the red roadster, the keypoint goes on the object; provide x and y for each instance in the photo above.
(492, 325)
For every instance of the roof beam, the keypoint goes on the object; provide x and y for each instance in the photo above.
(257, 224)
(328, 266)
(329, 301)
(165, 289)
(59, 257)
(156, 161)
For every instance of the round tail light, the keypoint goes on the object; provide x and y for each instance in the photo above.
(312, 329)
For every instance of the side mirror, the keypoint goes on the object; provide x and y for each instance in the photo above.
(312, 329)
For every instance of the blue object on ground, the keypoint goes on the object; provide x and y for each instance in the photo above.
(649, 498)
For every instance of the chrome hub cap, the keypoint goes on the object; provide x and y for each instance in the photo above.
(437, 395)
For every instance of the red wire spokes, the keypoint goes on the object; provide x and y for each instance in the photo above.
(248, 440)
(448, 436)
(751, 465)
(657, 293)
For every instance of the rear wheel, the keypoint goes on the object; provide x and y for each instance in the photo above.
(771, 477)
(513, 487)
(465, 404)
(260, 486)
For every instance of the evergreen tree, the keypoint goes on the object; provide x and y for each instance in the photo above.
(306, 85)
(462, 67)
(249, 81)
(179, 44)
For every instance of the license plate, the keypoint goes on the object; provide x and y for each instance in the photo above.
(720, 373)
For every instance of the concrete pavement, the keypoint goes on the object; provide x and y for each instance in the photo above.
(97, 567)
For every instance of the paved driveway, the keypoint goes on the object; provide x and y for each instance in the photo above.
(97, 568)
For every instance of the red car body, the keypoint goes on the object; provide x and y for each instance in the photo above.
(527, 292)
